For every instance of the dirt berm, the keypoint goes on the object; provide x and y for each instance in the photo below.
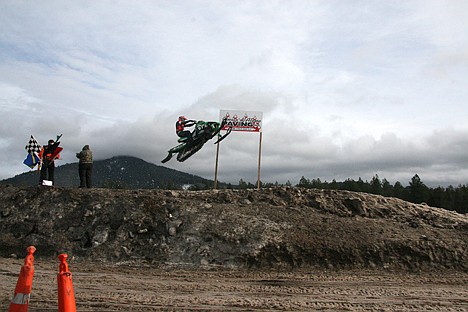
(271, 228)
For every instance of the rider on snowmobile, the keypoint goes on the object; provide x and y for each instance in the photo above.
(191, 142)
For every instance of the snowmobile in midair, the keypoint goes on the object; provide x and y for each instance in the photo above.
(202, 133)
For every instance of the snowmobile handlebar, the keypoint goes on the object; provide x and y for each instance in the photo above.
(190, 123)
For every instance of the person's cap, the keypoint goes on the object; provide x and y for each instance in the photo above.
(51, 141)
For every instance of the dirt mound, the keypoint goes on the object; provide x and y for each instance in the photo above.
(278, 227)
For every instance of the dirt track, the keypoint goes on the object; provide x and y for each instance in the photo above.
(100, 287)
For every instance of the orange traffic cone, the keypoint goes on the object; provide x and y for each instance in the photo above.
(23, 288)
(66, 294)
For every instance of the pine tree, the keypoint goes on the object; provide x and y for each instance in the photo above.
(303, 182)
(387, 188)
(418, 191)
(376, 185)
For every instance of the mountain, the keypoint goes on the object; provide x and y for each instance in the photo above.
(117, 172)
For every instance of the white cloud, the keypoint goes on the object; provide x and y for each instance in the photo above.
(347, 89)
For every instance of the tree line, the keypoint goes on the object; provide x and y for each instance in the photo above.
(450, 198)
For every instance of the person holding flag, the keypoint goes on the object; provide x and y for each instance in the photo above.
(48, 154)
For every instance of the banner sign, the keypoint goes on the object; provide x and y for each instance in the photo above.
(242, 120)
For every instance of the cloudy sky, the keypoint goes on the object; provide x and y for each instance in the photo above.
(348, 89)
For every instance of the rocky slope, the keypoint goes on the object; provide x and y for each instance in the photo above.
(280, 228)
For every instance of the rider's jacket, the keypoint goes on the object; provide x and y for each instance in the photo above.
(47, 151)
(180, 125)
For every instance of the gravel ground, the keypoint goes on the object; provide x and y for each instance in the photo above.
(123, 287)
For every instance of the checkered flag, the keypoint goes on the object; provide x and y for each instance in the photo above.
(33, 147)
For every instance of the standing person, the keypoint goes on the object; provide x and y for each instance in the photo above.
(48, 165)
(85, 166)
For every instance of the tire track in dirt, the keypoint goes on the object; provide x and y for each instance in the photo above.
(105, 287)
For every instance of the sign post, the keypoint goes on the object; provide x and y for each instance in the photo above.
(259, 157)
(244, 121)
(216, 166)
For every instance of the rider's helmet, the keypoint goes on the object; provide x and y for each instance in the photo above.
(182, 118)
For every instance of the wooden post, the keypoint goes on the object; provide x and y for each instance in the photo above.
(259, 158)
(216, 166)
